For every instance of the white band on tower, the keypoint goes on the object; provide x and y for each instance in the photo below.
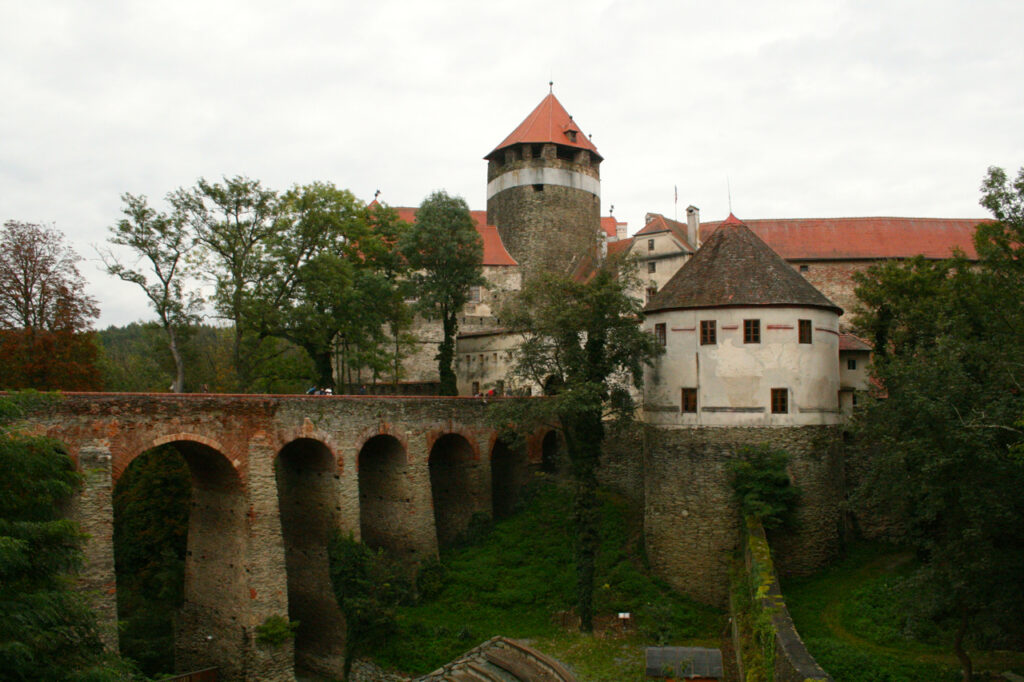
(544, 176)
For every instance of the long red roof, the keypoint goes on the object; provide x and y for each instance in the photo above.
(548, 122)
(494, 248)
(861, 238)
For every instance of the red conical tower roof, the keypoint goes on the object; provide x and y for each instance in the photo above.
(549, 122)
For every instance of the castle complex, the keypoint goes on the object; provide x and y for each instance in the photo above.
(751, 316)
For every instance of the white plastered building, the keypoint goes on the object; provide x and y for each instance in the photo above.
(748, 341)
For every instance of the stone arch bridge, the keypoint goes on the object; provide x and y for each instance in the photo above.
(272, 476)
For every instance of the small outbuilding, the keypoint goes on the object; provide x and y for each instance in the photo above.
(684, 663)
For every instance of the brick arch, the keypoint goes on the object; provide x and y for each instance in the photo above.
(469, 435)
(125, 451)
(458, 483)
(382, 428)
(311, 433)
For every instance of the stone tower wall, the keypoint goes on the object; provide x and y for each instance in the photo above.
(547, 209)
(691, 522)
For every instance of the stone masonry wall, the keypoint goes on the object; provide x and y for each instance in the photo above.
(691, 523)
(544, 227)
(239, 554)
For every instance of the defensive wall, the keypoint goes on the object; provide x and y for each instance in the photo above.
(691, 522)
(271, 477)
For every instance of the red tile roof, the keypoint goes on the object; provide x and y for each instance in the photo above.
(861, 238)
(659, 223)
(620, 246)
(734, 268)
(851, 342)
(549, 122)
(494, 249)
(610, 226)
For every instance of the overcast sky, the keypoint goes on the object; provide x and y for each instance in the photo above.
(809, 108)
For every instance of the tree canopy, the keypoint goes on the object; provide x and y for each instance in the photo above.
(944, 447)
(582, 338)
(45, 313)
(163, 242)
(48, 631)
(445, 255)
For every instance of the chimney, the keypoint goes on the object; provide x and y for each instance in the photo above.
(693, 226)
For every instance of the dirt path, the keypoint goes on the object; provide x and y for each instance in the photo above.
(831, 616)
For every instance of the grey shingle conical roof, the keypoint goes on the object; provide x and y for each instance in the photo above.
(735, 268)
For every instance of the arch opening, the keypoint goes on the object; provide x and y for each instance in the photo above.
(455, 487)
(550, 452)
(510, 471)
(180, 533)
(307, 495)
(385, 495)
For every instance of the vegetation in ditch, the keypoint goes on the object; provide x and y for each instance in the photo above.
(855, 620)
(519, 581)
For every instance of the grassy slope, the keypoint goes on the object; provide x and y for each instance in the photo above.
(850, 619)
(522, 572)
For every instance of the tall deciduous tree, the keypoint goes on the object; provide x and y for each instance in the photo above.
(942, 448)
(334, 277)
(445, 253)
(233, 222)
(45, 314)
(582, 338)
(162, 242)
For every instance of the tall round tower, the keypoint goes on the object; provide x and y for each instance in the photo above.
(544, 190)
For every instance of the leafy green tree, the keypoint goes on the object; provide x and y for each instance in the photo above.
(48, 631)
(333, 278)
(942, 446)
(233, 223)
(591, 350)
(761, 485)
(445, 254)
(368, 590)
(162, 241)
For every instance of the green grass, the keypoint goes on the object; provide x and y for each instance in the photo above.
(513, 581)
(851, 619)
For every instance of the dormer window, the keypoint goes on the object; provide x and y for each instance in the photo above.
(571, 134)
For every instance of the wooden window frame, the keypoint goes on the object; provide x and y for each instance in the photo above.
(851, 364)
(652, 267)
(661, 333)
(751, 331)
(688, 400)
(708, 333)
(805, 333)
(780, 401)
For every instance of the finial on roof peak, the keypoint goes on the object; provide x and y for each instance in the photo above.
(732, 220)
(551, 87)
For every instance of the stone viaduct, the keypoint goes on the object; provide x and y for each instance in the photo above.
(272, 476)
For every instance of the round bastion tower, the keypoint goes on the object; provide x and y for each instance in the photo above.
(544, 190)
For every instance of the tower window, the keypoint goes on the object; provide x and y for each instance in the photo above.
(804, 332)
(652, 267)
(708, 333)
(780, 400)
(851, 363)
(805, 268)
(751, 331)
(474, 294)
(650, 245)
(536, 150)
(651, 291)
(538, 188)
(689, 400)
(659, 333)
